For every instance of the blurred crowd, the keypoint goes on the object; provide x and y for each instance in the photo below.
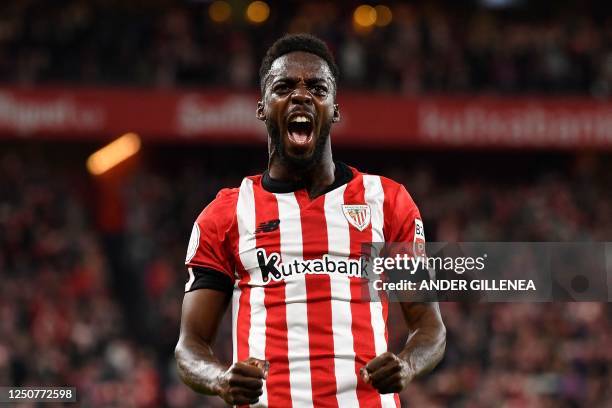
(64, 320)
(423, 46)
(60, 322)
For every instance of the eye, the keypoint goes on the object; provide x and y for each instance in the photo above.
(281, 89)
(319, 90)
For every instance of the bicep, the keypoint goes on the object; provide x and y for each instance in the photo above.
(202, 312)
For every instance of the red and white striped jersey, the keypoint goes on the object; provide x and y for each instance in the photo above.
(293, 303)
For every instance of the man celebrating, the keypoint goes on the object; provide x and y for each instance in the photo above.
(282, 248)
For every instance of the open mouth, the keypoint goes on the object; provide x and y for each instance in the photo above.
(300, 129)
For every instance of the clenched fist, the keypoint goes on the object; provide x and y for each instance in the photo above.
(387, 373)
(242, 383)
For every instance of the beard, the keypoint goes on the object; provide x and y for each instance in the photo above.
(299, 164)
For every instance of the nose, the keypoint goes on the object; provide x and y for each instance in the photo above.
(301, 96)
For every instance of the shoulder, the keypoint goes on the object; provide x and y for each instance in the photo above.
(219, 213)
(222, 209)
(396, 195)
(224, 201)
(385, 181)
(390, 187)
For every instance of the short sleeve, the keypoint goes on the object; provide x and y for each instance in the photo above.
(209, 253)
(406, 233)
(405, 223)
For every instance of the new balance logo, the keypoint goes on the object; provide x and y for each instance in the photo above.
(267, 226)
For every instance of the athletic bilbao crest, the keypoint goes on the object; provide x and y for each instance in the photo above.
(358, 215)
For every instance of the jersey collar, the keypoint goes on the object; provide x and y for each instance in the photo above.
(342, 175)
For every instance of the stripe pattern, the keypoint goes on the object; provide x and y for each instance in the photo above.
(317, 330)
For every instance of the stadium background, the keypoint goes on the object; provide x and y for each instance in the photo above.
(495, 115)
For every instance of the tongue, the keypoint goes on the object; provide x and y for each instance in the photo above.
(299, 137)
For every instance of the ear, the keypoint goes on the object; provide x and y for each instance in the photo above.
(259, 113)
(336, 117)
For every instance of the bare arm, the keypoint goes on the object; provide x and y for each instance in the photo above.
(202, 312)
(427, 339)
(422, 352)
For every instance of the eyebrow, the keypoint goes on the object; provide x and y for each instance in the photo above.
(295, 79)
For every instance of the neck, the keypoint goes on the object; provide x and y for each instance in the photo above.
(315, 179)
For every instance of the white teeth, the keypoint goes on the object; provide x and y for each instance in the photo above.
(300, 119)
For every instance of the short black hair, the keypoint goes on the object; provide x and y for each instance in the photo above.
(296, 42)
